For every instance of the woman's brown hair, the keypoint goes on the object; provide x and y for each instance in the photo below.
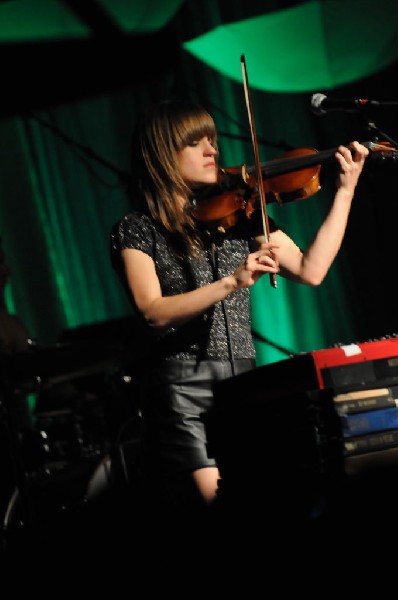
(157, 186)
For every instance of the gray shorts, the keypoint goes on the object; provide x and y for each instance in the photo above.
(177, 396)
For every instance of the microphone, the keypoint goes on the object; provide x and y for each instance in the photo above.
(321, 104)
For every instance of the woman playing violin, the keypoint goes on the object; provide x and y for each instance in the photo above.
(190, 288)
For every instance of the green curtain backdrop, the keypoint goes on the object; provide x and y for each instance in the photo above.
(62, 188)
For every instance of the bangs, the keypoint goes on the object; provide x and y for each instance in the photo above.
(193, 127)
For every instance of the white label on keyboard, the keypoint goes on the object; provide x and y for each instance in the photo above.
(351, 350)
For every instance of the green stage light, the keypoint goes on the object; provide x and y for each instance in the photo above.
(321, 44)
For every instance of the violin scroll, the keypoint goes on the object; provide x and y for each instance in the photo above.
(383, 154)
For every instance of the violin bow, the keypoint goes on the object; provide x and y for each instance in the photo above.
(257, 160)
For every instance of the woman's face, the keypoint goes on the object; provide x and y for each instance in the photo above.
(197, 162)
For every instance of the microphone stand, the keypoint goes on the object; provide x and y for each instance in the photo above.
(377, 132)
(261, 338)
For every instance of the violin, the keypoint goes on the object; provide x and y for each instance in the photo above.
(293, 176)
